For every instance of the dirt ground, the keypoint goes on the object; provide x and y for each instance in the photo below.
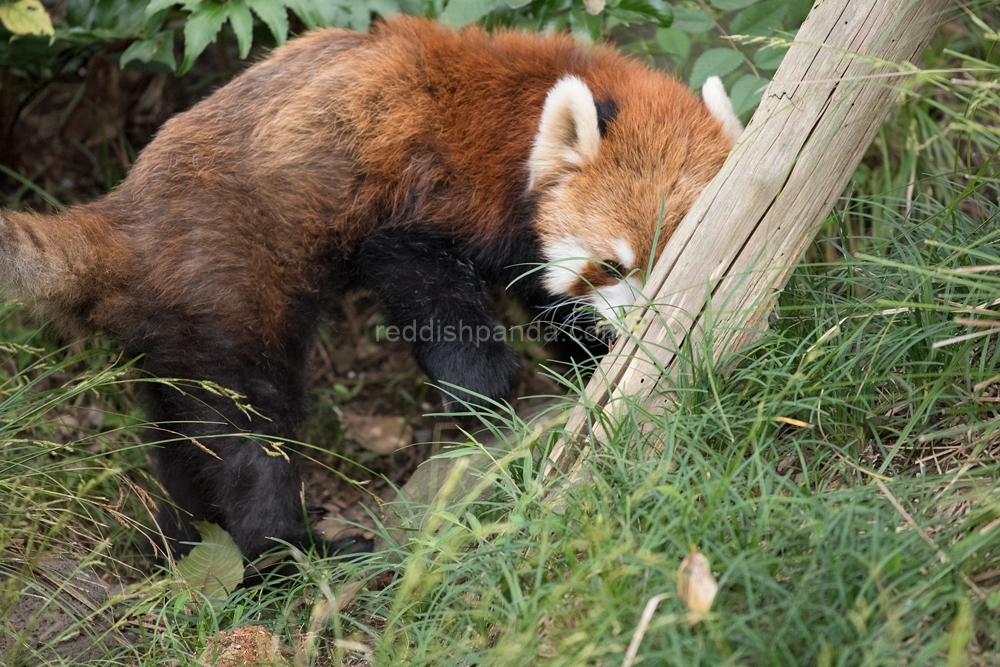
(391, 407)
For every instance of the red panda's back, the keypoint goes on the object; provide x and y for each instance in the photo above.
(231, 208)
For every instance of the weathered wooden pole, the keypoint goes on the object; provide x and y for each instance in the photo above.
(740, 242)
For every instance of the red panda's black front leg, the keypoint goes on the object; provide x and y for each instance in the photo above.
(435, 300)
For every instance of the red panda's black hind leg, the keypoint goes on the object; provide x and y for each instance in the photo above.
(434, 299)
(225, 463)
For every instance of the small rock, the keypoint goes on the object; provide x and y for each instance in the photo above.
(379, 434)
(61, 616)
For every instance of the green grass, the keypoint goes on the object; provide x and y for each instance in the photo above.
(817, 564)
(842, 475)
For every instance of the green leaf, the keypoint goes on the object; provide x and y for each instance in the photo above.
(304, 9)
(26, 17)
(747, 93)
(200, 30)
(714, 62)
(153, 22)
(463, 12)
(107, 19)
(385, 8)
(242, 22)
(585, 25)
(159, 6)
(647, 12)
(214, 567)
(761, 19)
(357, 17)
(674, 43)
(458, 452)
(799, 9)
(274, 15)
(691, 20)
(450, 517)
(730, 5)
(769, 58)
(159, 48)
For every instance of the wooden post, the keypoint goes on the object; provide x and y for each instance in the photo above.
(743, 237)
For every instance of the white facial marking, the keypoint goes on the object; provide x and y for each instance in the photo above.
(567, 258)
(625, 254)
(614, 301)
(719, 105)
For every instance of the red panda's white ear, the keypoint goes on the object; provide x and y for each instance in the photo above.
(720, 106)
(568, 133)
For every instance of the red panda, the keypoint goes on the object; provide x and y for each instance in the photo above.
(422, 163)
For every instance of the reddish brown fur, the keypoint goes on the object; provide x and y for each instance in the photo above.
(256, 175)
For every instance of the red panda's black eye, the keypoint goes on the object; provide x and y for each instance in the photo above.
(614, 269)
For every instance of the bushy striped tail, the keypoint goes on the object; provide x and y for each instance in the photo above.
(50, 258)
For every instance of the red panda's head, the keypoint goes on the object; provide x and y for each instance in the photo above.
(614, 173)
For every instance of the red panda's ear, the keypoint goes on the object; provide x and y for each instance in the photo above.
(719, 105)
(568, 134)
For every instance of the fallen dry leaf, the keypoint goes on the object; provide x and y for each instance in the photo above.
(793, 422)
(695, 583)
(379, 434)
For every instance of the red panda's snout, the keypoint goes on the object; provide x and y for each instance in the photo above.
(611, 187)
(604, 277)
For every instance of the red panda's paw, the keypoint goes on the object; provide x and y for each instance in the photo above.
(471, 374)
(345, 548)
(281, 567)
